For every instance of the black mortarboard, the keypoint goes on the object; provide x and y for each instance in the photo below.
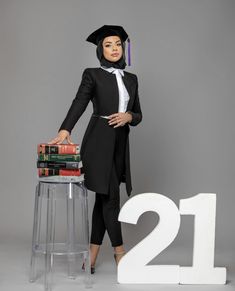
(108, 30)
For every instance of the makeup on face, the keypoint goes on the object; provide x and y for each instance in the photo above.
(112, 48)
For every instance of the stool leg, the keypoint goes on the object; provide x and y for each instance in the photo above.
(71, 231)
(50, 237)
(36, 232)
(87, 263)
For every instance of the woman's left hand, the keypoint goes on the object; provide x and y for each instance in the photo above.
(120, 118)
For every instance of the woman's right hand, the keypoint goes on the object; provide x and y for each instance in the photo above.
(62, 135)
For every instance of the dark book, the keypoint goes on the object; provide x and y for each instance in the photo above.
(58, 149)
(59, 158)
(59, 165)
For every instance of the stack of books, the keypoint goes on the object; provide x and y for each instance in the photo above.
(59, 160)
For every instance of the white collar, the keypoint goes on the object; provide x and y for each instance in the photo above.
(113, 70)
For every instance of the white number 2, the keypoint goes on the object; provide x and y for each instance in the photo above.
(132, 267)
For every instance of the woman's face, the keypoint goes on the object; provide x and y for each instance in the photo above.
(112, 48)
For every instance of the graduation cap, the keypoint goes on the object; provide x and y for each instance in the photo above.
(108, 30)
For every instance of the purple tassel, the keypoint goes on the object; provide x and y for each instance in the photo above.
(129, 51)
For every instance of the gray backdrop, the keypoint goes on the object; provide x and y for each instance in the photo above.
(183, 54)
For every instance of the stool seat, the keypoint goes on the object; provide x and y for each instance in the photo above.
(60, 249)
(61, 227)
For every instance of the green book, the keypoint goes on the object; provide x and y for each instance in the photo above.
(59, 158)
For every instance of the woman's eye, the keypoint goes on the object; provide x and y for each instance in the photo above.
(108, 45)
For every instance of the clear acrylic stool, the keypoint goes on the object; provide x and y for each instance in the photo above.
(63, 233)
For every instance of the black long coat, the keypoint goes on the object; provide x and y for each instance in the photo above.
(97, 148)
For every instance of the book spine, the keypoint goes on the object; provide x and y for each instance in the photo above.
(58, 165)
(43, 172)
(58, 149)
(59, 158)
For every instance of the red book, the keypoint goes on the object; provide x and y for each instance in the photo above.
(42, 172)
(58, 149)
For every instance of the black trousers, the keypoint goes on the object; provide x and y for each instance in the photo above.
(107, 206)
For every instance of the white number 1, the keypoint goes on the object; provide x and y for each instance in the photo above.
(132, 267)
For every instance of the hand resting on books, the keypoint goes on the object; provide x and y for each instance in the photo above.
(62, 135)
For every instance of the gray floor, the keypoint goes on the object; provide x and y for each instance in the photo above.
(14, 269)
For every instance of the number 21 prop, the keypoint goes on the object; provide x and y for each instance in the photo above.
(133, 267)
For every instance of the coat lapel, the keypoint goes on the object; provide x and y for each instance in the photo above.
(130, 89)
(129, 84)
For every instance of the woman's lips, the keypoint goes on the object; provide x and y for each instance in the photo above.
(114, 55)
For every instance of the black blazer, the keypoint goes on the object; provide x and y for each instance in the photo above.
(100, 87)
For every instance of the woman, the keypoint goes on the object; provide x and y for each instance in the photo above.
(105, 145)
